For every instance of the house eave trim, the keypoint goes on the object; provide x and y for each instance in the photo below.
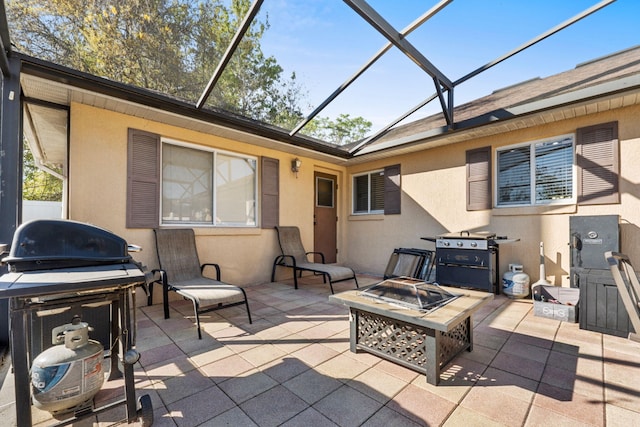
(615, 88)
(88, 82)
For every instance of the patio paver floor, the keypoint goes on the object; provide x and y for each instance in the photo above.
(293, 367)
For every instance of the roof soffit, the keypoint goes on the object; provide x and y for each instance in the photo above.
(41, 89)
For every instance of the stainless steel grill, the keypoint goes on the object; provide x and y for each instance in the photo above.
(468, 259)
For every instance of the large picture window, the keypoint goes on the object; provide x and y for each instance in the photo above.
(368, 192)
(538, 173)
(207, 187)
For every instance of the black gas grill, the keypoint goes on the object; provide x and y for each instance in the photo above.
(468, 260)
(64, 267)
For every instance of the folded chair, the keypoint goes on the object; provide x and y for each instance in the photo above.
(411, 262)
(294, 256)
(180, 271)
(628, 288)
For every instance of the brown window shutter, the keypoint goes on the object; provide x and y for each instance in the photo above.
(270, 177)
(479, 179)
(597, 158)
(392, 190)
(143, 179)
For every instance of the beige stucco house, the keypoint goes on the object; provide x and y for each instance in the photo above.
(449, 178)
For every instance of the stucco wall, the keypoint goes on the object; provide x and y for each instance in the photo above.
(433, 202)
(98, 184)
(433, 199)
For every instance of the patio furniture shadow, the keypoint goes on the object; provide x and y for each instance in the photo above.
(191, 390)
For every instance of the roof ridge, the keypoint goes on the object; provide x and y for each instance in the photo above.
(608, 56)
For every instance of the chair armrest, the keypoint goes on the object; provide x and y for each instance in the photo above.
(216, 266)
(158, 276)
(281, 260)
(317, 253)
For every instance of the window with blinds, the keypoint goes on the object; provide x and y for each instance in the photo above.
(536, 174)
(368, 192)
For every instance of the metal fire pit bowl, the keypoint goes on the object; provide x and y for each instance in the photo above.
(410, 293)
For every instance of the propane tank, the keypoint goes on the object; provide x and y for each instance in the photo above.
(515, 282)
(66, 377)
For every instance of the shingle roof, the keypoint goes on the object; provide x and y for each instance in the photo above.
(609, 68)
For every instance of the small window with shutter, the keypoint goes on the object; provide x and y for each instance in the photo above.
(169, 182)
(377, 192)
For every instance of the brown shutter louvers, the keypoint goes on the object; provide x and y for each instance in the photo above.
(270, 195)
(392, 190)
(598, 161)
(478, 164)
(143, 179)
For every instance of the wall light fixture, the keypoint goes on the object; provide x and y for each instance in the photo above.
(295, 166)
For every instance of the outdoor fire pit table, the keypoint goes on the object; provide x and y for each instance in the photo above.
(422, 339)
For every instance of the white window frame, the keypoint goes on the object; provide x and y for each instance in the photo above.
(354, 196)
(532, 177)
(214, 154)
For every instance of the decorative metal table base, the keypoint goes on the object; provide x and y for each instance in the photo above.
(422, 349)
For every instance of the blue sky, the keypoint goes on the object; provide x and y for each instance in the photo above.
(325, 42)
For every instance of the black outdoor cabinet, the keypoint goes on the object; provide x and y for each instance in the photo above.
(591, 236)
(601, 308)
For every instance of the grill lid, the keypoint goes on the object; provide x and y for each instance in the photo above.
(51, 244)
(480, 235)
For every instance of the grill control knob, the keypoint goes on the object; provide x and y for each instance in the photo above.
(474, 244)
(459, 243)
(445, 243)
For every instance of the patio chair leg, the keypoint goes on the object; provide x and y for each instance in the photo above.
(150, 296)
(324, 276)
(295, 279)
(246, 303)
(195, 310)
(355, 279)
(165, 300)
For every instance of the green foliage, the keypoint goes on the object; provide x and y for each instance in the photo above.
(171, 46)
(39, 185)
(343, 130)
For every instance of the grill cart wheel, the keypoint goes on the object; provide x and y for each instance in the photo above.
(145, 410)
